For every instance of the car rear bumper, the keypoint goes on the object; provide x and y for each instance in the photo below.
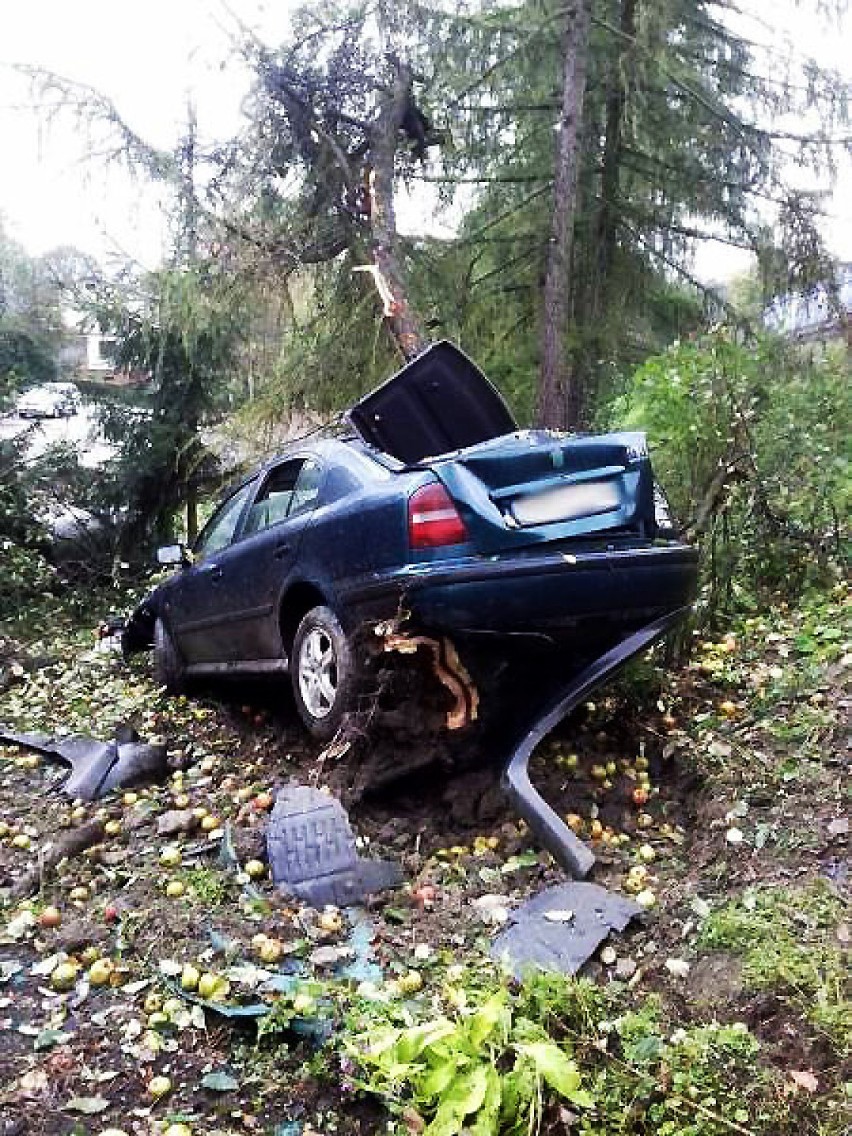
(553, 593)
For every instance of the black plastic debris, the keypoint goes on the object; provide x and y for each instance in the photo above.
(311, 850)
(562, 927)
(97, 767)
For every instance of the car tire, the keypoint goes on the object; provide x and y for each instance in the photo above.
(168, 667)
(323, 673)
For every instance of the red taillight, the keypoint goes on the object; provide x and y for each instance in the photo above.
(433, 519)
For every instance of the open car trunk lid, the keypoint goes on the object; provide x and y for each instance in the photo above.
(438, 403)
(513, 487)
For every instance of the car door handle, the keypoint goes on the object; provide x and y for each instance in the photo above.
(282, 550)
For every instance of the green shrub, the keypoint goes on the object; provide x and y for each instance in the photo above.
(752, 445)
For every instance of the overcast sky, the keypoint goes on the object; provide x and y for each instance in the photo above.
(150, 57)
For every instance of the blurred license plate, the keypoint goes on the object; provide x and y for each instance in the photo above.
(566, 503)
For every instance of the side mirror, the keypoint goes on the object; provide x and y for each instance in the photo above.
(177, 554)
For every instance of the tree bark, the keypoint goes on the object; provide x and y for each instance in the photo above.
(559, 401)
(613, 147)
(387, 271)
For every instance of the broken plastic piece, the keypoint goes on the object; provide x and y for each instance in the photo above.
(570, 852)
(311, 849)
(97, 767)
(534, 939)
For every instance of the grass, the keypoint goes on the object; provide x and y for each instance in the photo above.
(787, 939)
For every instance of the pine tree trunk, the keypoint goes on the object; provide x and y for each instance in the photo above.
(388, 273)
(560, 402)
(613, 148)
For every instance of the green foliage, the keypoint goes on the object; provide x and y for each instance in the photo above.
(510, 1056)
(485, 1071)
(787, 938)
(752, 445)
(186, 341)
(26, 577)
(25, 357)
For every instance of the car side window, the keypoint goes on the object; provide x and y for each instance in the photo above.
(219, 530)
(290, 488)
(306, 491)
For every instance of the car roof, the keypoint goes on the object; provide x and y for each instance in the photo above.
(346, 449)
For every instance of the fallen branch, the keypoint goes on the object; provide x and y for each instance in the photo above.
(64, 848)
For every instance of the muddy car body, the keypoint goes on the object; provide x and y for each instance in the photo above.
(436, 508)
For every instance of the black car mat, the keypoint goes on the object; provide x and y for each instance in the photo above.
(96, 767)
(312, 854)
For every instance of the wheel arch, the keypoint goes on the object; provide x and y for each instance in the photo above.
(296, 602)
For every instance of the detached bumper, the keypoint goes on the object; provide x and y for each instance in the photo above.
(550, 593)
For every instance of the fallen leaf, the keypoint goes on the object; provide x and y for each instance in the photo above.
(89, 1106)
(804, 1080)
(220, 1081)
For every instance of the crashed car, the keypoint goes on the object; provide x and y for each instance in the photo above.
(432, 506)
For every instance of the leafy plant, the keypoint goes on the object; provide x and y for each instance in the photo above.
(485, 1071)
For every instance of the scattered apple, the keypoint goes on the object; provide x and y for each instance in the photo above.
(79, 894)
(189, 976)
(100, 972)
(254, 869)
(330, 921)
(63, 976)
(304, 1004)
(50, 917)
(646, 898)
(647, 853)
(410, 982)
(111, 912)
(21, 840)
(640, 795)
(270, 951)
(424, 896)
(175, 889)
(263, 802)
(213, 987)
(130, 798)
(112, 827)
(159, 1086)
(170, 856)
(210, 822)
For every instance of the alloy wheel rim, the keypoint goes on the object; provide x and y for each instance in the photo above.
(318, 673)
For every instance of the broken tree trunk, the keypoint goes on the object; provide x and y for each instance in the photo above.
(559, 401)
(386, 269)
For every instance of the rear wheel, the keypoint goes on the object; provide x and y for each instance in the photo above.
(168, 667)
(322, 670)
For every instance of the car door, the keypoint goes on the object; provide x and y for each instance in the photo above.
(193, 598)
(252, 572)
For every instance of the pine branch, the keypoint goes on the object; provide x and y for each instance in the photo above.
(93, 108)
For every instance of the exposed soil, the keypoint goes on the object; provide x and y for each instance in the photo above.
(449, 827)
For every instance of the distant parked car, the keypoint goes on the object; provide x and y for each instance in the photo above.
(434, 504)
(50, 400)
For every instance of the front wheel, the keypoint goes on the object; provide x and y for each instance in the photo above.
(322, 670)
(168, 666)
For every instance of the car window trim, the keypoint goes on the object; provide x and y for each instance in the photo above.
(196, 544)
(269, 472)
